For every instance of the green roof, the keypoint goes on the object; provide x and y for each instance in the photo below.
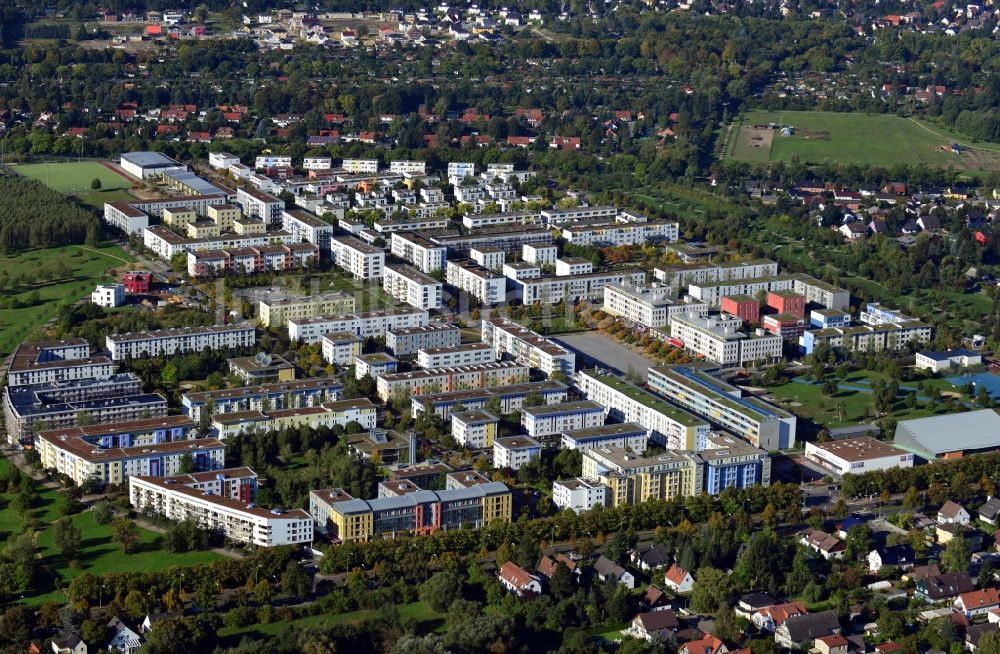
(648, 399)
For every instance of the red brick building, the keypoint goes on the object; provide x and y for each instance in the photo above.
(785, 325)
(787, 302)
(137, 282)
(742, 306)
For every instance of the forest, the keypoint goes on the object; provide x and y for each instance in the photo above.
(32, 215)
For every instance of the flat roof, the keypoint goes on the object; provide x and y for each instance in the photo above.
(177, 332)
(605, 431)
(108, 428)
(473, 416)
(95, 453)
(263, 389)
(565, 407)
(148, 159)
(720, 391)
(176, 485)
(859, 449)
(936, 435)
(517, 442)
(461, 347)
(647, 399)
(252, 364)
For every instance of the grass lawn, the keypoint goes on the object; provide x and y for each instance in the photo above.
(807, 400)
(89, 267)
(857, 138)
(72, 177)
(417, 611)
(98, 553)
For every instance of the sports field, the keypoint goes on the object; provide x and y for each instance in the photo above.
(75, 177)
(853, 138)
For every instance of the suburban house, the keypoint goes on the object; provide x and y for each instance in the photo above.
(953, 513)
(834, 644)
(827, 546)
(68, 643)
(943, 587)
(977, 602)
(707, 645)
(678, 579)
(753, 602)
(123, 640)
(989, 511)
(654, 599)
(976, 631)
(547, 566)
(651, 556)
(897, 555)
(800, 628)
(650, 625)
(772, 617)
(518, 581)
(608, 569)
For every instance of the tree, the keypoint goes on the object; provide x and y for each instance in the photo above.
(711, 589)
(104, 513)
(955, 557)
(295, 581)
(125, 533)
(67, 537)
(562, 583)
(859, 541)
(95, 184)
(16, 624)
(911, 499)
(186, 465)
(989, 643)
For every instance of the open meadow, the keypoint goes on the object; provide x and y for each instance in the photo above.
(816, 137)
(74, 178)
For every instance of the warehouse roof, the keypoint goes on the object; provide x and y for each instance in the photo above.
(934, 436)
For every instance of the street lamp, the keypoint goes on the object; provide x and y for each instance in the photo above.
(100, 597)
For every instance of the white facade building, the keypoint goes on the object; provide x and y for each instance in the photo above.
(424, 255)
(539, 254)
(222, 160)
(260, 204)
(317, 163)
(408, 167)
(541, 421)
(360, 166)
(619, 233)
(485, 285)
(491, 258)
(272, 161)
(649, 306)
(457, 171)
(579, 494)
(167, 342)
(515, 451)
(465, 354)
(409, 285)
(573, 266)
(364, 324)
(357, 257)
(627, 436)
(474, 429)
(525, 346)
(108, 295)
(719, 340)
(858, 455)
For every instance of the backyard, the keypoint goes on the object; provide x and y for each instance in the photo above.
(56, 275)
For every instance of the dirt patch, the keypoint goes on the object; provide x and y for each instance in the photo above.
(813, 135)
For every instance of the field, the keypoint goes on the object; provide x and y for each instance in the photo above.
(854, 138)
(98, 553)
(27, 272)
(74, 178)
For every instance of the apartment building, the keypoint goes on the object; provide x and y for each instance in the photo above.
(713, 292)
(167, 342)
(719, 340)
(819, 292)
(464, 354)
(867, 338)
(360, 166)
(604, 213)
(405, 341)
(277, 313)
(509, 339)
(222, 160)
(573, 266)
(521, 270)
(553, 289)
(62, 404)
(317, 163)
(480, 220)
(628, 436)
(357, 257)
(418, 251)
(272, 161)
(409, 285)
(579, 494)
(327, 414)
(508, 239)
(486, 286)
(408, 167)
(539, 254)
(108, 295)
(44, 362)
(341, 348)
(418, 219)
(421, 512)
(238, 519)
(515, 452)
(649, 306)
(262, 205)
(729, 462)
(83, 459)
(511, 398)
(261, 368)
(304, 226)
(364, 324)
(474, 429)
(491, 258)
(439, 380)
(374, 365)
(540, 421)
(618, 233)
(458, 170)
(251, 260)
(759, 423)
(633, 479)
(123, 216)
(272, 397)
(667, 424)
(167, 244)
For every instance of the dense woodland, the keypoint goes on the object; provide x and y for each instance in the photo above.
(32, 215)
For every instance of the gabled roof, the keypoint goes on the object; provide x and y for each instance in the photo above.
(653, 554)
(979, 599)
(515, 575)
(823, 541)
(657, 620)
(950, 509)
(548, 564)
(895, 555)
(811, 625)
(676, 575)
(779, 613)
(605, 567)
(653, 596)
(707, 645)
(946, 585)
(990, 509)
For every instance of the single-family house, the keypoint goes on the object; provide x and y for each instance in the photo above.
(827, 546)
(679, 580)
(943, 587)
(799, 628)
(548, 564)
(978, 602)
(953, 512)
(607, 569)
(654, 599)
(832, 644)
(772, 617)
(895, 555)
(518, 580)
(853, 231)
(976, 631)
(653, 624)
(707, 645)
(750, 603)
(68, 642)
(123, 639)
(650, 556)
(989, 511)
